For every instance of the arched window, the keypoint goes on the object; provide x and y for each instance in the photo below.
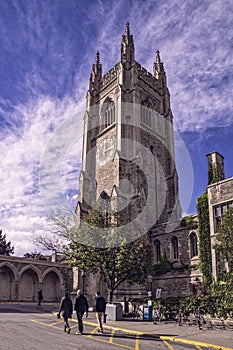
(174, 246)
(109, 114)
(193, 244)
(146, 113)
(157, 250)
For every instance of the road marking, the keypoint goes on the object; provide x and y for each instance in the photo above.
(92, 332)
(111, 336)
(168, 345)
(53, 325)
(137, 342)
(199, 345)
(194, 342)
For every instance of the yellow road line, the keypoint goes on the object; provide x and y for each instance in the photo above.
(194, 342)
(168, 345)
(137, 342)
(111, 336)
(54, 324)
(92, 332)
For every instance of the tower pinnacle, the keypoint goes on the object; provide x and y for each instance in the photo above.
(96, 73)
(127, 29)
(158, 65)
(127, 46)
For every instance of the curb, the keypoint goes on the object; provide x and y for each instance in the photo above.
(187, 341)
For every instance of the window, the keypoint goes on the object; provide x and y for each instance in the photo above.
(157, 250)
(109, 114)
(193, 244)
(146, 113)
(219, 211)
(174, 246)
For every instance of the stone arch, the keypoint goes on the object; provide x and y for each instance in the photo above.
(8, 278)
(32, 267)
(53, 284)
(12, 267)
(30, 279)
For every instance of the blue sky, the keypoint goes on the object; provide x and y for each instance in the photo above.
(47, 50)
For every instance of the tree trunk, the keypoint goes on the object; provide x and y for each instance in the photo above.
(111, 295)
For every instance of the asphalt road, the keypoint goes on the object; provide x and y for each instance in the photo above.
(29, 327)
(25, 331)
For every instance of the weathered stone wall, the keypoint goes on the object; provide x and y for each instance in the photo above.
(21, 279)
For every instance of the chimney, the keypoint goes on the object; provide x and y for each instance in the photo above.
(215, 167)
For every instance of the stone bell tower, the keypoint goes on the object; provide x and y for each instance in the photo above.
(128, 143)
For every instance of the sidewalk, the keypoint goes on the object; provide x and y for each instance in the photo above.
(220, 338)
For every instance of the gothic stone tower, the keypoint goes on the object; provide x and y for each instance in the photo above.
(128, 144)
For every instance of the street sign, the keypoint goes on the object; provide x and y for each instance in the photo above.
(158, 293)
(150, 278)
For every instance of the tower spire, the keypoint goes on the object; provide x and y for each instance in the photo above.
(97, 67)
(158, 65)
(127, 29)
(96, 73)
(127, 46)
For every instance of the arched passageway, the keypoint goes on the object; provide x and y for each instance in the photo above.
(51, 287)
(28, 285)
(7, 284)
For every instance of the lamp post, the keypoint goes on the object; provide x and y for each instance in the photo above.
(83, 274)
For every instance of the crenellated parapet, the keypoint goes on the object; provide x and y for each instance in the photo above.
(147, 77)
(110, 76)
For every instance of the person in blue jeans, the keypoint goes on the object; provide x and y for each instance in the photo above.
(81, 307)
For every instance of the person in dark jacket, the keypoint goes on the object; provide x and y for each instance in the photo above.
(40, 297)
(66, 309)
(81, 307)
(100, 308)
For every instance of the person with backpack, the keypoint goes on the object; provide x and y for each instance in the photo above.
(100, 308)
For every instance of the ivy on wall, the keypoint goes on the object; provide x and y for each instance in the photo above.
(213, 175)
(204, 239)
(191, 222)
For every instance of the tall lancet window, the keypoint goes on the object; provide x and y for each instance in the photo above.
(193, 244)
(109, 113)
(146, 113)
(174, 246)
(157, 250)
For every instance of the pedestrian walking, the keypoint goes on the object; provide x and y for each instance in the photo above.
(100, 308)
(66, 309)
(81, 307)
(40, 297)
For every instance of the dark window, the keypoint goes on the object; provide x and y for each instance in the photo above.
(219, 212)
(174, 244)
(157, 250)
(193, 244)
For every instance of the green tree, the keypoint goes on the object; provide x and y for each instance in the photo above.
(5, 248)
(98, 246)
(224, 247)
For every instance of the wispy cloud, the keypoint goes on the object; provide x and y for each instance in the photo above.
(47, 49)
